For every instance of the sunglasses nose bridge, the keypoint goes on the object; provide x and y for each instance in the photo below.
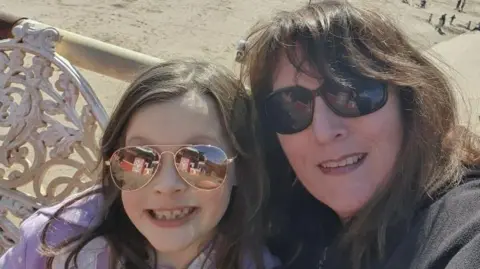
(166, 179)
(160, 155)
(163, 152)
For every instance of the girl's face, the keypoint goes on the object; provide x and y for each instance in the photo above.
(190, 119)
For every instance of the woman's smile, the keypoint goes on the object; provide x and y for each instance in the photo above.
(343, 165)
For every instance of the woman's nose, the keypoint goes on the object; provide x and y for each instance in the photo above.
(327, 126)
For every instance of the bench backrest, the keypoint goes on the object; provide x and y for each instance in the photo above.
(50, 121)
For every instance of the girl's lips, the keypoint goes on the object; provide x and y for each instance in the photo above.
(171, 208)
(172, 223)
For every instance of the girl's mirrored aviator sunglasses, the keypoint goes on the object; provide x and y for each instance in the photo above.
(203, 167)
(290, 110)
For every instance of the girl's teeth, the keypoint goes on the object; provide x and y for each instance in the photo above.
(172, 214)
(176, 213)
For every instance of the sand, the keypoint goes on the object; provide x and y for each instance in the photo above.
(209, 29)
(204, 28)
(460, 60)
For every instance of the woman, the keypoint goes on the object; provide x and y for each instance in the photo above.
(368, 126)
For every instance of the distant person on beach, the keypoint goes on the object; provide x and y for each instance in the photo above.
(423, 3)
(452, 19)
(460, 5)
(477, 28)
(441, 23)
(463, 5)
(459, 2)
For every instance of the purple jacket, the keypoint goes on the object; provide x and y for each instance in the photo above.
(77, 218)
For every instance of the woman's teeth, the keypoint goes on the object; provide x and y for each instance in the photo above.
(344, 162)
(171, 214)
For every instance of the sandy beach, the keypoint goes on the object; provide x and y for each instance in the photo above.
(207, 29)
(210, 29)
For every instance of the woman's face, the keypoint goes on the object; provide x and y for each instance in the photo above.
(341, 161)
(161, 209)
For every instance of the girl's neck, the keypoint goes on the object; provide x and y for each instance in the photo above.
(183, 258)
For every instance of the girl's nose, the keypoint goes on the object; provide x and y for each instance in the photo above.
(167, 180)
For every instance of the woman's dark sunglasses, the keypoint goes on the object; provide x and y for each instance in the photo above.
(290, 110)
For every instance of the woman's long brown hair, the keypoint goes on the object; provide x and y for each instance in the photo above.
(239, 232)
(326, 36)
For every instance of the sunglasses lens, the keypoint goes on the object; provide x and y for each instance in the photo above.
(290, 110)
(133, 167)
(366, 96)
(202, 166)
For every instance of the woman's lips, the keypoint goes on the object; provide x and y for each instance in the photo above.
(344, 165)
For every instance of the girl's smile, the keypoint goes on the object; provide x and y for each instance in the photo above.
(172, 218)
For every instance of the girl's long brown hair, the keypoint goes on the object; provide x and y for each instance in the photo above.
(435, 151)
(239, 232)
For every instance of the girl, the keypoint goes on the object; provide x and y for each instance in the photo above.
(181, 186)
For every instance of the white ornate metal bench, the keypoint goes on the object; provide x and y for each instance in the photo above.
(49, 118)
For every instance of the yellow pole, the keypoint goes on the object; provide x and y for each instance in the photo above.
(7, 21)
(101, 57)
(88, 53)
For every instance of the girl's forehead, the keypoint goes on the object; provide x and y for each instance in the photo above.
(199, 103)
(188, 119)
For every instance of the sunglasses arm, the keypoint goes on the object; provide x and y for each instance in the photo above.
(230, 160)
